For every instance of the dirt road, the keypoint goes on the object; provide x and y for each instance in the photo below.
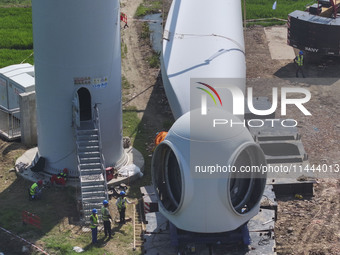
(134, 67)
(145, 93)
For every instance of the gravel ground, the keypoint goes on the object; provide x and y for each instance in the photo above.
(310, 225)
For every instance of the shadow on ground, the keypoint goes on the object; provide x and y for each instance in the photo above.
(157, 117)
(55, 206)
(319, 70)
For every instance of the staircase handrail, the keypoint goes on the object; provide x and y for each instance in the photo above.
(96, 123)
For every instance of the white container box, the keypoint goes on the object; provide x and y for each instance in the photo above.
(14, 80)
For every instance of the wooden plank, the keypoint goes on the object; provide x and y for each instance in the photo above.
(327, 12)
(134, 227)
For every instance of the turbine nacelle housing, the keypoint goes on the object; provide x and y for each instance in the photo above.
(193, 197)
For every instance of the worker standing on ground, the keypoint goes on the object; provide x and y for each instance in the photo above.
(94, 226)
(121, 205)
(106, 218)
(35, 190)
(299, 61)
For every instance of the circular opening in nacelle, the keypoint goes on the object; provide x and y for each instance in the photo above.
(167, 177)
(246, 187)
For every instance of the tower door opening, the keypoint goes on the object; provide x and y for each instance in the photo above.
(84, 104)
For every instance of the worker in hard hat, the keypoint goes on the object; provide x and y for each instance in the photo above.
(106, 216)
(60, 178)
(121, 206)
(35, 190)
(299, 61)
(94, 226)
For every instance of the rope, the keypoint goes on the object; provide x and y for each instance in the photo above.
(147, 20)
(22, 239)
(63, 157)
(268, 198)
(27, 58)
(181, 36)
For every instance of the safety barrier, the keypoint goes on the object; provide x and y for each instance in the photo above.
(32, 219)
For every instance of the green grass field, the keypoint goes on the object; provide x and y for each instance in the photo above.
(16, 41)
(259, 9)
(15, 3)
(148, 7)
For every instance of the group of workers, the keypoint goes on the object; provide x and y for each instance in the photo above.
(121, 203)
(60, 178)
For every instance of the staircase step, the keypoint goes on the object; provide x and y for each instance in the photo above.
(96, 199)
(87, 132)
(90, 171)
(94, 193)
(88, 148)
(89, 154)
(92, 183)
(92, 188)
(88, 160)
(91, 178)
(90, 166)
(90, 206)
(92, 200)
(87, 137)
(88, 143)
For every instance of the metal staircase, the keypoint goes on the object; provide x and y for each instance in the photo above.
(91, 167)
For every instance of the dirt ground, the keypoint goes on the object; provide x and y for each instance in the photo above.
(310, 225)
(146, 93)
(307, 226)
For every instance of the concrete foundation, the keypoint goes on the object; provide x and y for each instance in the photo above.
(24, 163)
(28, 119)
